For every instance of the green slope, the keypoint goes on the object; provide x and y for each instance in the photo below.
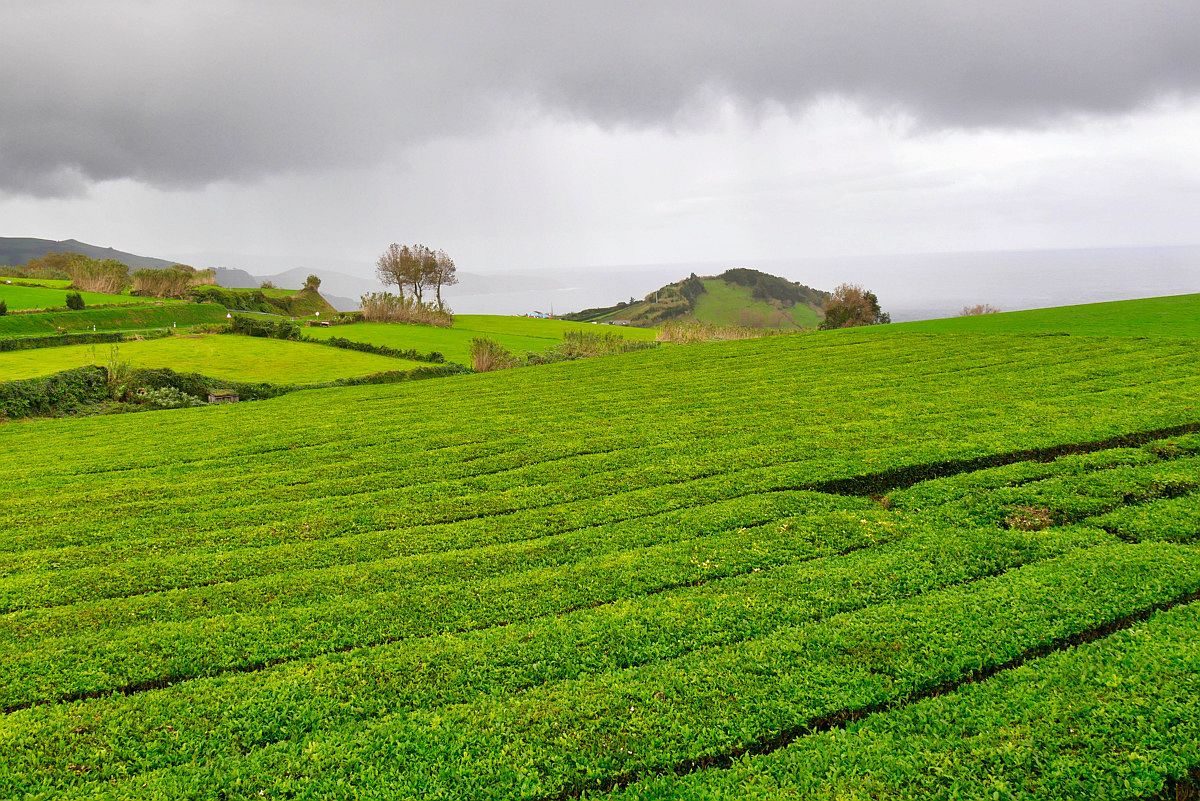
(125, 318)
(518, 334)
(728, 304)
(683, 572)
(1171, 316)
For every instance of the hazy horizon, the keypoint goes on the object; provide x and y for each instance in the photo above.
(568, 135)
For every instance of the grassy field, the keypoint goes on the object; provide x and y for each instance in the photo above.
(234, 358)
(53, 283)
(518, 334)
(125, 318)
(813, 566)
(1172, 316)
(37, 297)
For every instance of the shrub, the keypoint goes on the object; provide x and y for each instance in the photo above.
(166, 397)
(172, 282)
(584, 344)
(384, 307)
(977, 309)
(104, 275)
(692, 332)
(60, 393)
(3, 307)
(272, 329)
(851, 305)
(74, 301)
(488, 355)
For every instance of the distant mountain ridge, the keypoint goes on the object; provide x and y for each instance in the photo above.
(15, 251)
(739, 296)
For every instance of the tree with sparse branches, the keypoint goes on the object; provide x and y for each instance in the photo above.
(413, 269)
(851, 305)
(978, 309)
(444, 274)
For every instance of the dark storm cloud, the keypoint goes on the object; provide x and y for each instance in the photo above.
(199, 92)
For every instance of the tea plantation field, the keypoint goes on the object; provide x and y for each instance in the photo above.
(810, 566)
(517, 334)
(233, 358)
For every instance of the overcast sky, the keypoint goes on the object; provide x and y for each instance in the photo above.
(567, 132)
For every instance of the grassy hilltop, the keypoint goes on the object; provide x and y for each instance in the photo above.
(735, 297)
(885, 563)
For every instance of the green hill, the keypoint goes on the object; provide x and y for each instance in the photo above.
(736, 297)
(15, 251)
(825, 565)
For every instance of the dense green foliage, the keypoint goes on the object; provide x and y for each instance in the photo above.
(269, 327)
(702, 571)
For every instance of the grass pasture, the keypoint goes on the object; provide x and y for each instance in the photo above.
(52, 283)
(234, 358)
(39, 297)
(827, 566)
(518, 334)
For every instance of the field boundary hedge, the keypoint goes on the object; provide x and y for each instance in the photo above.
(86, 389)
(412, 354)
(77, 338)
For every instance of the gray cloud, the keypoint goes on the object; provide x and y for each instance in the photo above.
(194, 93)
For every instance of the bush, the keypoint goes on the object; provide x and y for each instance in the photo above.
(3, 307)
(693, 332)
(978, 309)
(851, 305)
(74, 301)
(172, 282)
(60, 393)
(384, 307)
(271, 329)
(488, 355)
(167, 397)
(104, 275)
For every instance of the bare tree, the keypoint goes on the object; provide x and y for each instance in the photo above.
(393, 267)
(445, 274)
(978, 308)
